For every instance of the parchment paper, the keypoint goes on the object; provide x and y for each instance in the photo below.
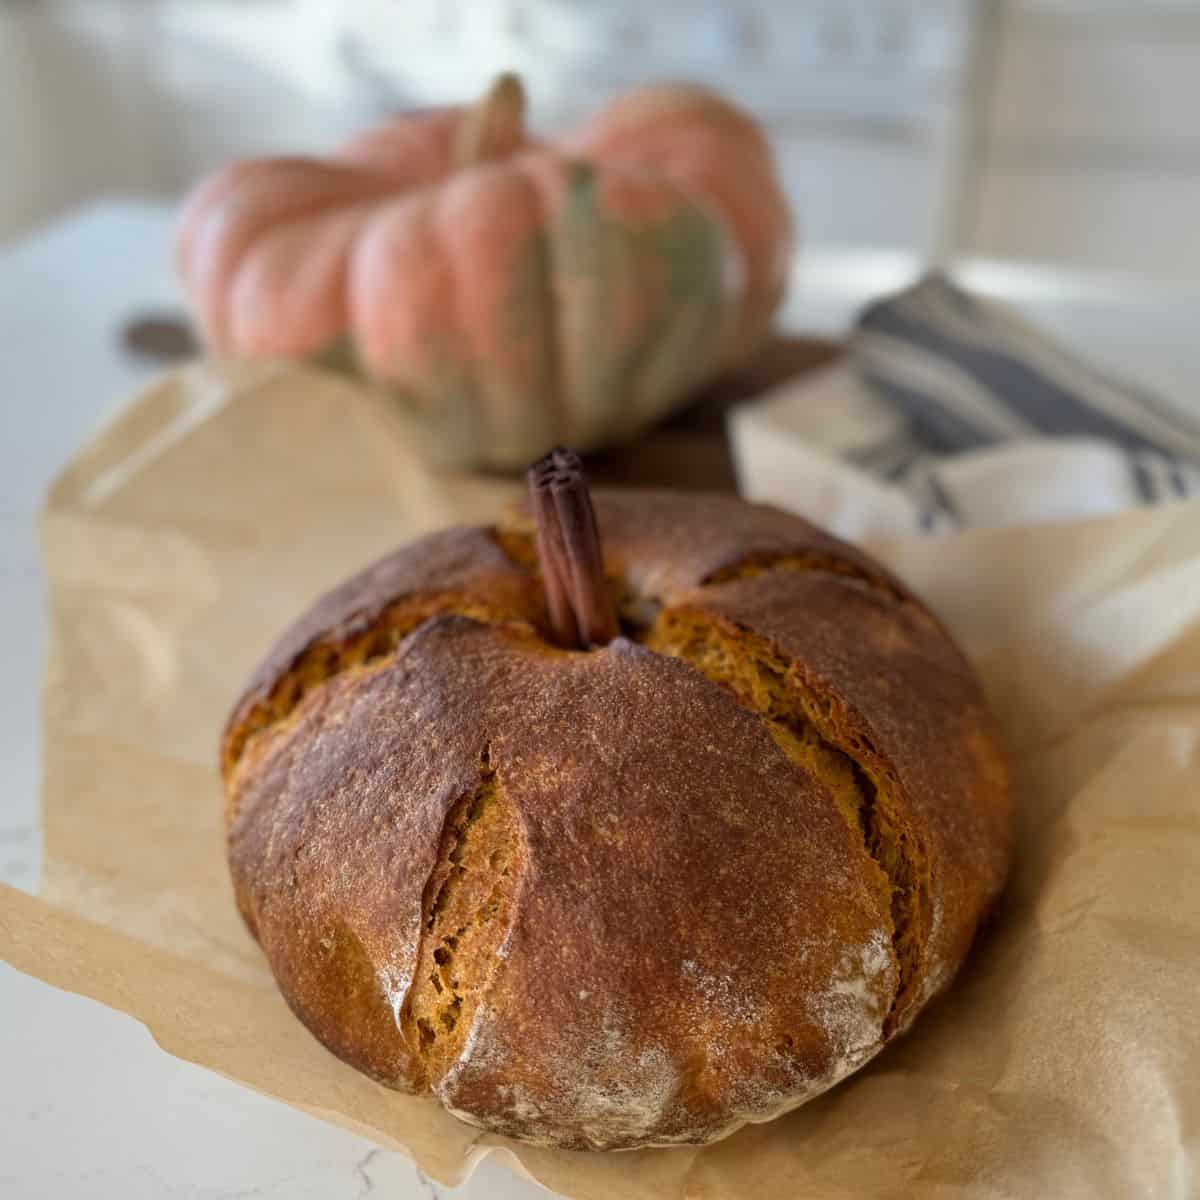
(1064, 1062)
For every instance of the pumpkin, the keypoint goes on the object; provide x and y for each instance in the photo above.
(513, 293)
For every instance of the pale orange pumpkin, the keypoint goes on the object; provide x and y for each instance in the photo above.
(513, 293)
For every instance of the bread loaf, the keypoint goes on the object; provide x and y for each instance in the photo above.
(628, 896)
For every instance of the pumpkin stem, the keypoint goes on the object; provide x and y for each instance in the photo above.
(493, 127)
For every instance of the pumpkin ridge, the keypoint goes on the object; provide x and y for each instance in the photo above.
(250, 315)
(690, 329)
(241, 237)
(556, 384)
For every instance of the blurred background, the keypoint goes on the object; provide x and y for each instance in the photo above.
(1060, 131)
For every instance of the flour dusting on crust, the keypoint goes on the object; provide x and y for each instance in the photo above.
(646, 1107)
(717, 994)
(601, 1110)
(852, 1009)
(395, 981)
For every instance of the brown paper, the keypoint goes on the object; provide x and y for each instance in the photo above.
(1064, 1062)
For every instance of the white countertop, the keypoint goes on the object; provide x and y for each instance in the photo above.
(89, 1106)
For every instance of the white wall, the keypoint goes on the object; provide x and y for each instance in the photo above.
(1091, 150)
(73, 112)
(1087, 148)
(144, 95)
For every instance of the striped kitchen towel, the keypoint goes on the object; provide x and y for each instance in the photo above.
(950, 410)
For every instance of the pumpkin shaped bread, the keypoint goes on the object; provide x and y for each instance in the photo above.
(511, 293)
(631, 895)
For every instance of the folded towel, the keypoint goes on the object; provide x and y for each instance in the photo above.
(949, 410)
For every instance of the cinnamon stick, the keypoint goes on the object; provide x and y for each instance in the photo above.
(581, 609)
(552, 556)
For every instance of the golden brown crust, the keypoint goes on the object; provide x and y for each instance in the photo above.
(454, 570)
(896, 695)
(664, 543)
(632, 896)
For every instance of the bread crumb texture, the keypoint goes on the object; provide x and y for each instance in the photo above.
(639, 896)
(466, 915)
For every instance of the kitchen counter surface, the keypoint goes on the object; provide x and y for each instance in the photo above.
(89, 1106)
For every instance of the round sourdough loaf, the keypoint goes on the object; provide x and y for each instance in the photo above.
(636, 895)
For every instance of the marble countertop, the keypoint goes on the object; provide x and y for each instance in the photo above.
(89, 1106)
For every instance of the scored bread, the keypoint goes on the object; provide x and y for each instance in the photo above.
(637, 895)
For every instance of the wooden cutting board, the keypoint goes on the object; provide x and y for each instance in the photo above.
(691, 450)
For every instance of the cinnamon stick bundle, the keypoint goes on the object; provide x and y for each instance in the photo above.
(581, 609)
